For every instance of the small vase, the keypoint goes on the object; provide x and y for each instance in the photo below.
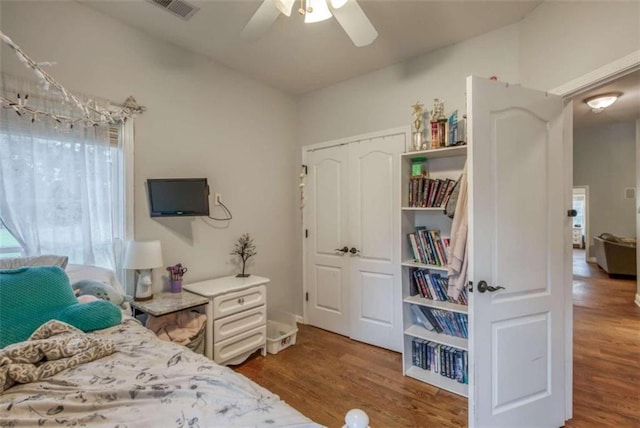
(176, 286)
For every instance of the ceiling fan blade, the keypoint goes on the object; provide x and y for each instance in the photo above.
(354, 22)
(260, 22)
(285, 6)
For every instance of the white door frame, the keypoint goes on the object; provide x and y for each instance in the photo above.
(404, 130)
(599, 76)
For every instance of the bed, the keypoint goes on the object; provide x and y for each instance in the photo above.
(146, 382)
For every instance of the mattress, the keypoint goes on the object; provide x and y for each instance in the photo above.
(146, 383)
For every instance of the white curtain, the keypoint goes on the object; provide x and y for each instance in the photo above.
(56, 186)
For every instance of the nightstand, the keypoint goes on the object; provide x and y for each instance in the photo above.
(167, 303)
(236, 317)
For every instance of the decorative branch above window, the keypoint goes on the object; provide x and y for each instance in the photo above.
(90, 114)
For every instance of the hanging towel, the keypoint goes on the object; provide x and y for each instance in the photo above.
(457, 268)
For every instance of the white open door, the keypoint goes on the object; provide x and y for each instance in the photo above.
(374, 222)
(517, 231)
(326, 221)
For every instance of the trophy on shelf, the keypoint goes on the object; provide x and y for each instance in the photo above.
(438, 125)
(417, 127)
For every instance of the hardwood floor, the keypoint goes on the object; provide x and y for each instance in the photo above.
(324, 374)
(606, 347)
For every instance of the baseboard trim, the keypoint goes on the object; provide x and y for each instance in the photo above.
(592, 260)
(300, 318)
(638, 299)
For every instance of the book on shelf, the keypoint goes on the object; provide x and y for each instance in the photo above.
(425, 192)
(433, 286)
(448, 361)
(447, 322)
(428, 247)
(421, 318)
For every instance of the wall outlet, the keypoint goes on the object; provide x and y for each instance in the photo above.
(217, 198)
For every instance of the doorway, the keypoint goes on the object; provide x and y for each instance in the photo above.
(580, 231)
(605, 166)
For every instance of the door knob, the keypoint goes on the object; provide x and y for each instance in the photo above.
(343, 250)
(354, 250)
(483, 287)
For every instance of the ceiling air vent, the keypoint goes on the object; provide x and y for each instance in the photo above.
(179, 8)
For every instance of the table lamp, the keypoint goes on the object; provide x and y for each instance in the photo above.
(143, 256)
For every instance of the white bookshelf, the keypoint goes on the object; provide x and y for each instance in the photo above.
(413, 263)
(437, 304)
(441, 209)
(445, 152)
(446, 163)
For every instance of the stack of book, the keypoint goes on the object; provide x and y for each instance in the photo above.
(428, 247)
(434, 287)
(427, 192)
(441, 321)
(448, 361)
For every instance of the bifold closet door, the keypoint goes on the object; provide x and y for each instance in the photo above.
(352, 265)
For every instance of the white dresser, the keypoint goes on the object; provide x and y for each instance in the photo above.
(236, 317)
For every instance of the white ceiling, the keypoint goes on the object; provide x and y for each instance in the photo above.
(625, 109)
(298, 57)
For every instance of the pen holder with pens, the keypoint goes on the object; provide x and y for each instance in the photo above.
(175, 277)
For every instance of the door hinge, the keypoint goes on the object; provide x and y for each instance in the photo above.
(306, 296)
(306, 233)
(304, 168)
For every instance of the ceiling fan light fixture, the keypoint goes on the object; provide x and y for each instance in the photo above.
(597, 103)
(317, 10)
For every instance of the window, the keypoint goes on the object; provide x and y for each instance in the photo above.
(9, 246)
(61, 188)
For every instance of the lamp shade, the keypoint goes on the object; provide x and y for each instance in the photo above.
(143, 255)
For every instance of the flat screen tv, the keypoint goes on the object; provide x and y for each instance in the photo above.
(178, 197)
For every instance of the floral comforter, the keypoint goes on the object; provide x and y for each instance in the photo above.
(146, 383)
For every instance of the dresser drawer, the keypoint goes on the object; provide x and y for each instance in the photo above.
(238, 301)
(241, 344)
(232, 325)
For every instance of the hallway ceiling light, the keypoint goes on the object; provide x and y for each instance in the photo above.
(600, 102)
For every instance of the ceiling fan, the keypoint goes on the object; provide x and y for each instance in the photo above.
(348, 13)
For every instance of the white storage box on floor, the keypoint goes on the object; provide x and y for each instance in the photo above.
(281, 331)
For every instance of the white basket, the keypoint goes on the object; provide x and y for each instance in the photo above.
(281, 331)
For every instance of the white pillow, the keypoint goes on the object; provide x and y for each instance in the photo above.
(79, 272)
(43, 260)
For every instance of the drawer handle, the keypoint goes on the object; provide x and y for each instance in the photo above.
(241, 300)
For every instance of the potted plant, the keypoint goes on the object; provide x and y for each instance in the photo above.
(245, 249)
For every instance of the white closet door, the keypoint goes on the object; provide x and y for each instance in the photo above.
(518, 225)
(374, 224)
(326, 220)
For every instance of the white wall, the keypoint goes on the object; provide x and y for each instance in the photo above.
(604, 159)
(203, 120)
(383, 99)
(563, 40)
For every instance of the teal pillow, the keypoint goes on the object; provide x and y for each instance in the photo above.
(92, 315)
(31, 296)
